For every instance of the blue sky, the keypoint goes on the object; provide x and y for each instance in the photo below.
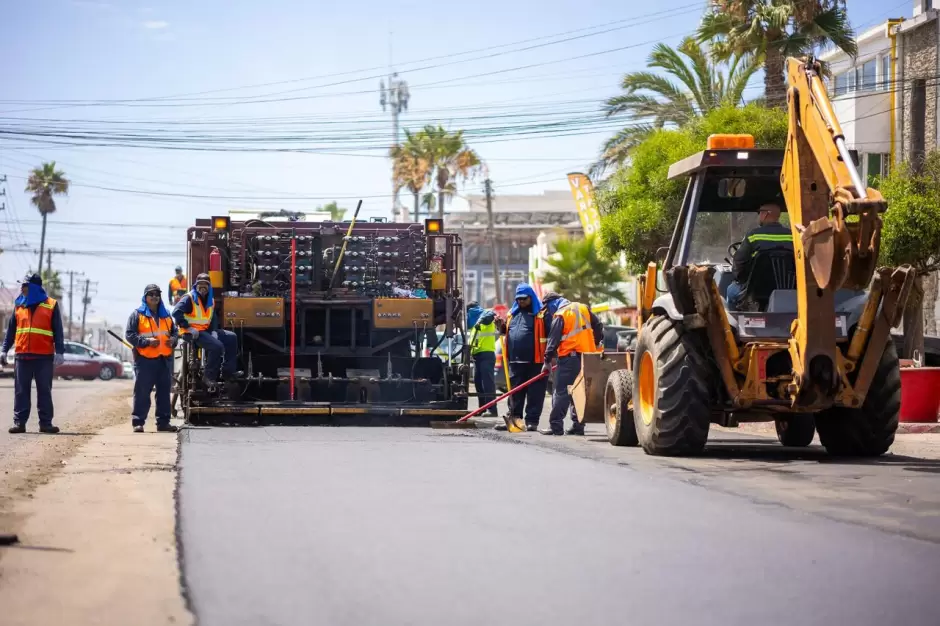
(81, 50)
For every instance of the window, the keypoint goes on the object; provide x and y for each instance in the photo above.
(842, 84)
(886, 72)
(865, 75)
(877, 166)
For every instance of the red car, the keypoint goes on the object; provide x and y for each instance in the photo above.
(88, 364)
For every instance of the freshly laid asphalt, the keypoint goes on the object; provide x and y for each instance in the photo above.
(390, 526)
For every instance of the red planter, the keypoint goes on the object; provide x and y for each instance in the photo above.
(920, 394)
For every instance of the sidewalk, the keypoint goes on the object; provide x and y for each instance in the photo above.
(98, 545)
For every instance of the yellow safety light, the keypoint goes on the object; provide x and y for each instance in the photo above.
(220, 223)
(730, 142)
(433, 226)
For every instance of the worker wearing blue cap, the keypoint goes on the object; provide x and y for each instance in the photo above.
(35, 330)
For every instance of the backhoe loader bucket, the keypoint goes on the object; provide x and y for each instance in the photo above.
(587, 392)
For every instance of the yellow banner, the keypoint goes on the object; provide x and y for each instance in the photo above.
(583, 191)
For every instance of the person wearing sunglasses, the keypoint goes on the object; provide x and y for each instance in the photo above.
(151, 331)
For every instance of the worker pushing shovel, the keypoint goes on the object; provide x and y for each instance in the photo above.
(514, 423)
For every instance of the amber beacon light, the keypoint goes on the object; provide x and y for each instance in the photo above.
(730, 142)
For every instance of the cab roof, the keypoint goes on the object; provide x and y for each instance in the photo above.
(737, 162)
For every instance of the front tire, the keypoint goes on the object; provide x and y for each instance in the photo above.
(796, 430)
(618, 417)
(868, 431)
(671, 400)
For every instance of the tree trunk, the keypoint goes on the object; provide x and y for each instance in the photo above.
(914, 321)
(930, 303)
(417, 208)
(42, 242)
(775, 89)
(440, 204)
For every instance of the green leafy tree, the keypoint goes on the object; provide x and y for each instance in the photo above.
(692, 86)
(639, 206)
(452, 161)
(52, 283)
(45, 182)
(580, 272)
(774, 30)
(411, 167)
(336, 213)
(911, 235)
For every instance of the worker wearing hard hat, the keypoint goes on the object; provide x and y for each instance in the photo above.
(194, 313)
(483, 351)
(152, 333)
(574, 331)
(35, 330)
(178, 286)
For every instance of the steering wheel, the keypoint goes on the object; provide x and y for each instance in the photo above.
(732, 249)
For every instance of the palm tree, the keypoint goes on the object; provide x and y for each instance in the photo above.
(44, 182)
(776, 29)
(336, 213)
(450, 159)
(52, 283)
(659, 100)
(411, 167)
(579, 272)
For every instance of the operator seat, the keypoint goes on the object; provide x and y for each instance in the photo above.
(770, 270)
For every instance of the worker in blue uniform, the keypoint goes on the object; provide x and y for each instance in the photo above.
(152, 333)
(35, 331)
(525, 347)
(194, 313)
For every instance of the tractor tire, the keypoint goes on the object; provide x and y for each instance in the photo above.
(618, 416)
(671, 399)
(868, 431)
(796, 430)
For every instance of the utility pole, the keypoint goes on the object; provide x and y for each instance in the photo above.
(85, 302)
(71, 274)
(491, 230)
(396, 97)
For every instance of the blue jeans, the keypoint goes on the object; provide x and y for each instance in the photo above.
(149, 374)
(25, 371)
(733, 294)
(568, 369)
(484, 379)
(215, 345)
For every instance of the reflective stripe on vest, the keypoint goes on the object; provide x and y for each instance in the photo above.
(159, 329)
(483, 338)
(34, 329)
(199, 318)
(577, 334)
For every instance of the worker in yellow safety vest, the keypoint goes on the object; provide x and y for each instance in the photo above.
(178, 286)
(194, 313)
(575, 330)
(483, 352)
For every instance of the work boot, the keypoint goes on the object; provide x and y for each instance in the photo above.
(16, 429)
(138, 428)
(531, 427)
(549, 431)
(49, 430)
(576, 429)
(167, 428)
(499, 426)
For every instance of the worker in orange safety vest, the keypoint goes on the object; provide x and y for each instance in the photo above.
(575, 330)
(178, 286)
(152, 333)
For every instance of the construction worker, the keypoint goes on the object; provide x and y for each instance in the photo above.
(151, 331)
(574, 331)
(193, 313)
(483, 351)
(178, 286)
(35, 331)
(525, 348)
(769, 235)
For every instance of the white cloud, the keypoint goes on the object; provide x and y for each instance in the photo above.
(155, 24)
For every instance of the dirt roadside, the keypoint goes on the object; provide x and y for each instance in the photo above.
(95, 514)
(924, 445)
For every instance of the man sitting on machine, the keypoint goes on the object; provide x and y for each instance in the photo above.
(770, 235)
(193, 313)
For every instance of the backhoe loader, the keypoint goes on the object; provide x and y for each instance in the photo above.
(807, 345)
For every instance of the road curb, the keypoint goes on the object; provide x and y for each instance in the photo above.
(915, 428)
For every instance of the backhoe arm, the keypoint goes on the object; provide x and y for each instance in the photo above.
(822, 188)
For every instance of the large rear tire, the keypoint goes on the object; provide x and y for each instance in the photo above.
(671, 399)
(868, 431)
(796, 430)
(618, 417)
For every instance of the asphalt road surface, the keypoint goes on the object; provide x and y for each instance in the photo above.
(404, 526)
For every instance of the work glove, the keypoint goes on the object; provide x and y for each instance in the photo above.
(58, 360)
(152, 342)
(195, 334)
(547, 367)
(3, 358)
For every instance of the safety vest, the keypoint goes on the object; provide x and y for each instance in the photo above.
(34, 329)
(483, 338)
(577, 336)
(200, 316)
(541, 340)
(156, 328)
(178, 285)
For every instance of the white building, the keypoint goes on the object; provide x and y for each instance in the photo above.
(886, 98)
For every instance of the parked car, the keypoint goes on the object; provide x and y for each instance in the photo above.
(87, 363)
(128, 369)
